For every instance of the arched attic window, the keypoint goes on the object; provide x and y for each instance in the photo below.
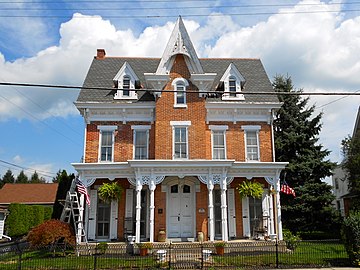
(125, 80)
(180, 85)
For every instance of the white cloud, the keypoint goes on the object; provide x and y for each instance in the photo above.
(319, 51)
(17, 159)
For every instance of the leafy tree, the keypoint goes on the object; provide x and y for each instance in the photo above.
(22, 178)
(7, 178)
(296, 131)
(50, 232)
(351, 165)
(64, 181)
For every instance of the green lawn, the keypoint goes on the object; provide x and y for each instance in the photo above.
(306, 253)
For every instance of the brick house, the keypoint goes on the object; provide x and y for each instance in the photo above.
(179, 155)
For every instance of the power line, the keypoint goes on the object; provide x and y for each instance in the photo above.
(47, 111)
(48, 174)
(172, 8)
(41, 121)
(70, 87)
(175, 16)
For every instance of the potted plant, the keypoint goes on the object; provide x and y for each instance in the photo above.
(250, 189)
(110, 191)
(220, 247)
(144, 248)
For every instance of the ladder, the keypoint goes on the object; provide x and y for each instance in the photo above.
(72, 209)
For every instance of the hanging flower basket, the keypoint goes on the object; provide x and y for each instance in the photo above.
(110, 191)
(250, 189)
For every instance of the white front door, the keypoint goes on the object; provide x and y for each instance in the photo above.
(180, 211)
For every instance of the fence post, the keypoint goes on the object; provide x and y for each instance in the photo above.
(170, 256)
(20, 254)
(95, 257)
(202, 255)
(277, 252)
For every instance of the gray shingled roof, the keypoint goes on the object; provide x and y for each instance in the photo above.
(102, 72)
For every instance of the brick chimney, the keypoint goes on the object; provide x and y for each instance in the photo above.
(100, 54)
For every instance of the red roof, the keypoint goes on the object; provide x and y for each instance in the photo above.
(28, 193)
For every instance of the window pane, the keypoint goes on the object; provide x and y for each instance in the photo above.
(252, 145)
(218, 145)
(186, 189)
(126, 85)
(180, 94)
(174, 189)
(106, 145)
(141, 144)
(232, 87)
(180, 143)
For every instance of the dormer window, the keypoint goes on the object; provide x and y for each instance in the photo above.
(125, 80)
(233, 84)
(180, 85)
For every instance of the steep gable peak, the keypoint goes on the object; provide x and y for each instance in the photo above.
(179, 43)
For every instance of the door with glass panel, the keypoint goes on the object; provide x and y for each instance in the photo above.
(103, 219)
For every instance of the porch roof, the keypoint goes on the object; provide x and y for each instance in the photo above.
(155, 168)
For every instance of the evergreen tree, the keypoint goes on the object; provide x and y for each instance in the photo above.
(7, 178)
(351, 165)
(296, 131)
(36, 179)
(22, 178)
(64, 180)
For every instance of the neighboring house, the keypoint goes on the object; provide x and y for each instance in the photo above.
(179, 155)
(30, 194)
(341, 184)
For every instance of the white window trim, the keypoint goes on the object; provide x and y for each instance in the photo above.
(232, 73)
(174, 84)
(255, 128)
(126, 70)
(212, 143)
(180, 124)
(111, 129)
(141, 128)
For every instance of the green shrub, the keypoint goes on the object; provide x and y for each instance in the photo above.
(24, 217)
(290, 239)
(317, 235)
(351, 236)
(102, 247)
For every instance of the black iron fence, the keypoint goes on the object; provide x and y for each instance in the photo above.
(237, 254)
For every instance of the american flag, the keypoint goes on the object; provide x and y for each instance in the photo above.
(287, 190)
(82, 190)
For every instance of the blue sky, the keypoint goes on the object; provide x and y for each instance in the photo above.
(53, 42)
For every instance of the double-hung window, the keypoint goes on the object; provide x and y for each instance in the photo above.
(141, 142)
(218, 140)
(180, 85)
(252, 148)
(180, 94)
(106, 146)
(180, 139)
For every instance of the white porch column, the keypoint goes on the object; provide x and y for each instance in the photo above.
(138, 209)
(278, 211)
(152, 187)
(80, 219)
(224, 223)
(271, 213)
(210, 187)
